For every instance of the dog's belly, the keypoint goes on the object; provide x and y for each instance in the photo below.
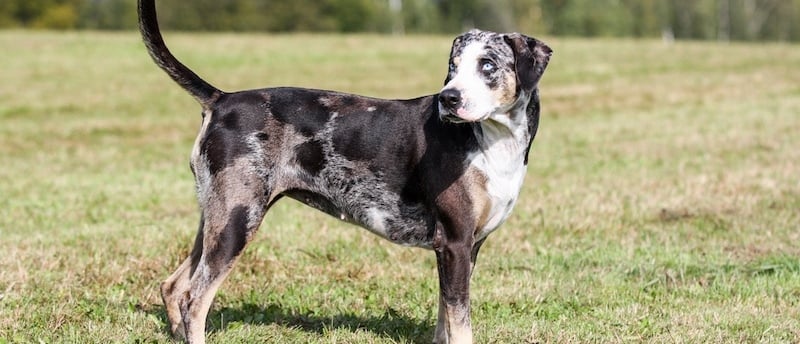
(401, 223)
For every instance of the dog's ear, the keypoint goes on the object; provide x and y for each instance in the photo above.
(531, 57)
(454, 49)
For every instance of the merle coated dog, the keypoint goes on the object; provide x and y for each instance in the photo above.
(439, 172)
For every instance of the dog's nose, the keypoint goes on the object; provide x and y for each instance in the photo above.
(450, 98)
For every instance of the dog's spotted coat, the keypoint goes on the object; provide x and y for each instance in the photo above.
(439, 172)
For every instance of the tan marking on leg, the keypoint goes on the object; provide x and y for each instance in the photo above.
(453, 325)
(481, 204)
(458, 325)
(201, 304)
(172, 290)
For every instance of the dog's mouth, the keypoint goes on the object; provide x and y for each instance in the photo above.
(456, 115)
(450, 117)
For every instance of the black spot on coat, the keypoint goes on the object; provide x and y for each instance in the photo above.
(310, 156)
(299, 108)
(235, 117)
(232, 239)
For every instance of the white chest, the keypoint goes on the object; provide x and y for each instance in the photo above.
(502, 162)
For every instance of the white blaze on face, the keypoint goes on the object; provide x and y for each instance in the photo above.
(478, 101)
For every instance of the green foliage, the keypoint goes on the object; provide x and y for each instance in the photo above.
(590, 18)
(682, 19)
(277, 16)
(62, 16)
(108, 14)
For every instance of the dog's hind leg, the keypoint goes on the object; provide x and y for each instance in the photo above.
(178, 283)
(233, 207)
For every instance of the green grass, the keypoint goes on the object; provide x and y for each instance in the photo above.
(662, 202)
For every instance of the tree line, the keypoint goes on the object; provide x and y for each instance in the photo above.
(773, 20)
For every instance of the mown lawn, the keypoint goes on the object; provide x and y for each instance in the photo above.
(662, 202)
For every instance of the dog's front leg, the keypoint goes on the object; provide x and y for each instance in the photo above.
(453, 247)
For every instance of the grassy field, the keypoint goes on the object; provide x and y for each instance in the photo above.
(662, 202)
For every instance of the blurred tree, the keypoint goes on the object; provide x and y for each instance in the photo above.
(528, 16)
(353, 15)
(683, 19)
(107, 14)
(495, 15)
(757, 13)
(7, 10)
(457, 15)
(421, 16)
(588, 17)
(552, 13)
(645, 19)
(58, 16)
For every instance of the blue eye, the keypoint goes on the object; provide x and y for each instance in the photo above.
(487, 66)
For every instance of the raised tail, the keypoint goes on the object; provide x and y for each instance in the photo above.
(201, 90)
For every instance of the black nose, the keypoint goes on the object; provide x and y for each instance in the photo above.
(450, 98)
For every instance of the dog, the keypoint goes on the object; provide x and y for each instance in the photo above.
(439, 172)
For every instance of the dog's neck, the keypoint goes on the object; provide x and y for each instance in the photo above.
(506, 131)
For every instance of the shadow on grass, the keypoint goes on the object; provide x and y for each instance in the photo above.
(390, 324)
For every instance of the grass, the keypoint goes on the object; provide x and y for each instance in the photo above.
(662, 202)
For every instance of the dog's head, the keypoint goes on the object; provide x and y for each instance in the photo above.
(489, 73)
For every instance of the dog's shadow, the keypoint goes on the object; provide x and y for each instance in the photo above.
(390, 324)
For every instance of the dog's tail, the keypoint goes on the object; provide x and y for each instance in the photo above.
(201, 90)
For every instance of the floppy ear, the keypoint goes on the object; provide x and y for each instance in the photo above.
(530, 59)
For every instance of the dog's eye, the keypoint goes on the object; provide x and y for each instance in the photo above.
(487, 66)
(452, 67)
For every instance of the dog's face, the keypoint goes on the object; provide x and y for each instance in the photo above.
(488, 73)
